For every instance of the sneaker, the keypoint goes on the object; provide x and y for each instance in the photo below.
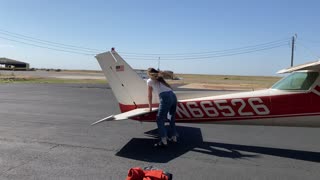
(160, 144)
(164, 140)
(173, 139)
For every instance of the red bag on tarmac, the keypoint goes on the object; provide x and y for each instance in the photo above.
(148, 174)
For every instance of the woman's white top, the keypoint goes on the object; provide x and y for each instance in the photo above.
(157, 86)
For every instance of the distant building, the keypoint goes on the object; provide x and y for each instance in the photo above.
(10, 64)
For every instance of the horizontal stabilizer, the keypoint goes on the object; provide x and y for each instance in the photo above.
(126, 115)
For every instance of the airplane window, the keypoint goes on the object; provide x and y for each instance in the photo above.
(297, 81)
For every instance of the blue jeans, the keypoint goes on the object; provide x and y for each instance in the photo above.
(168, 103)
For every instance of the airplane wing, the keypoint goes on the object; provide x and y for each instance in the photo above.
(307, 66)
(126, 115)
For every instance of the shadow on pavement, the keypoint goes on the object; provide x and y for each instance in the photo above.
(191, 140)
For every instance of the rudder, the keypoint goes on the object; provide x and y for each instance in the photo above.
(128, 87)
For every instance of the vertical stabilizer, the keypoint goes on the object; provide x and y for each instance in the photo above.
(128, 87)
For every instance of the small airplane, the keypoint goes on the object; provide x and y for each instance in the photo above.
(292, 101)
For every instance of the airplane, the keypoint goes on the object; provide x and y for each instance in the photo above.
(292, 101)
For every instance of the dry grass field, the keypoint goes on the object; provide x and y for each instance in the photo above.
(225, 82)
(217, 82)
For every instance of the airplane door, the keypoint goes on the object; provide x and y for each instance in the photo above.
(292, 103)
(315, 98)
(293, 94)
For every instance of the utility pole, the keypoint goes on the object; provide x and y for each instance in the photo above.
(292, 48)
(159, 64)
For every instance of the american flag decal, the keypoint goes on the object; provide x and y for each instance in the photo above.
(120, 68)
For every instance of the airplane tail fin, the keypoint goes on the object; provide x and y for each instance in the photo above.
(128, 87)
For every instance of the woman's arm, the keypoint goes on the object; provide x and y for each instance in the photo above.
(150, 97)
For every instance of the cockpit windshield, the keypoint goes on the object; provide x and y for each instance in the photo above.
(297, 81)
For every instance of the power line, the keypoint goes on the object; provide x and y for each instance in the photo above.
(139, 56)
(310, 41)
(213, 56)
(74, 52)
(45, 43)
(209, 52)
(308, 49)
(222, 52)
(29, 38)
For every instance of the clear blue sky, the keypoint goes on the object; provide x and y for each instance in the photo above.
(164, 27)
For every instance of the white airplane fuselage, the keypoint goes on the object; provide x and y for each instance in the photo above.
(293, 101)
(264, 107)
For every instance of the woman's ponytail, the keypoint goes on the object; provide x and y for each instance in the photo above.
(160, 79)
(157, 75)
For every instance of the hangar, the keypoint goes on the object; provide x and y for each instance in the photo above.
(10, 64)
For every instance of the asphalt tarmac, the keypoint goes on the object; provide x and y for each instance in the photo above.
(45, 133)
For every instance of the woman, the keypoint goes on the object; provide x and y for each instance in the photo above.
(168, 103)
